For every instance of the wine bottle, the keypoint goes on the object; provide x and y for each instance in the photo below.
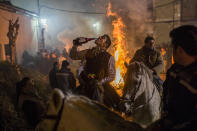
(82, 40)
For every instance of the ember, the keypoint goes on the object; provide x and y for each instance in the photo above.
(163, 51)
(172, 60)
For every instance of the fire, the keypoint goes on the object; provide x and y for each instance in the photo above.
(116, 55)
(172, 60)
(53, 55)
(109, 12)
(163, 51)
(68, 46)
(120, 45)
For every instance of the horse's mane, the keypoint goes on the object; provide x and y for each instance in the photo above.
(139, 67)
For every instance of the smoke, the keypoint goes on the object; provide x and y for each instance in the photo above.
(82, 26)
(135, 14)
(63, 27)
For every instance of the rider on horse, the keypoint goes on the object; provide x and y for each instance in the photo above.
(151, 58)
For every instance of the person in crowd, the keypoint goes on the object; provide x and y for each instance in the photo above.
(25, 87)
(65, 79)
(60, 59)
(180, 86)
(29, 102)
(98, 72)
(52, 75)
(66, 55)
(79, 71)
(57, 52)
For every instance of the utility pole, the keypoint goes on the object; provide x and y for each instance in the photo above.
(38, 4)
(41, 42)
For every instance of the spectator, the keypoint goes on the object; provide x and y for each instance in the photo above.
(65, 79)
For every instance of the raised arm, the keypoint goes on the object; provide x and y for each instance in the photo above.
(77, 55)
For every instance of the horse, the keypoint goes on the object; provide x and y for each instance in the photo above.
(141, 100)
(79, 113)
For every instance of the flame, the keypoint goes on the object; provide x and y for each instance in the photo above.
(163, 51)
(53, 55)
(109, 12)
(68, 47)
(116, 55)
(60, 59)
(172, 59)
(120, 45)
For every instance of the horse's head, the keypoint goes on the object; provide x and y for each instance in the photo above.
(80, 113)
(137, 78)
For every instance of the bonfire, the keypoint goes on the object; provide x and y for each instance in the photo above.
(120, 49)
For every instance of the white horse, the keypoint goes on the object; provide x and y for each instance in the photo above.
(78, 113)
(141, 99)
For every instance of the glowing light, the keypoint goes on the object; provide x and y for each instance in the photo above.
(96, 25)
(43, 21)
(44, 24)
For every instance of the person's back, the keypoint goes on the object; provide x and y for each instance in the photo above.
(65, 79)
(180, 87)
(180, 102)
(19, 87)
(52, 75)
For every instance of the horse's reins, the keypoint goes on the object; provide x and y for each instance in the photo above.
(147, 101)
(133, 98)
(56, 117)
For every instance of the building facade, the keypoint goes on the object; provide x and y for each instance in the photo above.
(27, 39)
(168, 14)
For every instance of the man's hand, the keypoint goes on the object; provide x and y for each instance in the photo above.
(76, 42)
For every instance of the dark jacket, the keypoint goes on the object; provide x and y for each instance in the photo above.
(151, 58)
(52, 77)
(65, 80)
(180, 93)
